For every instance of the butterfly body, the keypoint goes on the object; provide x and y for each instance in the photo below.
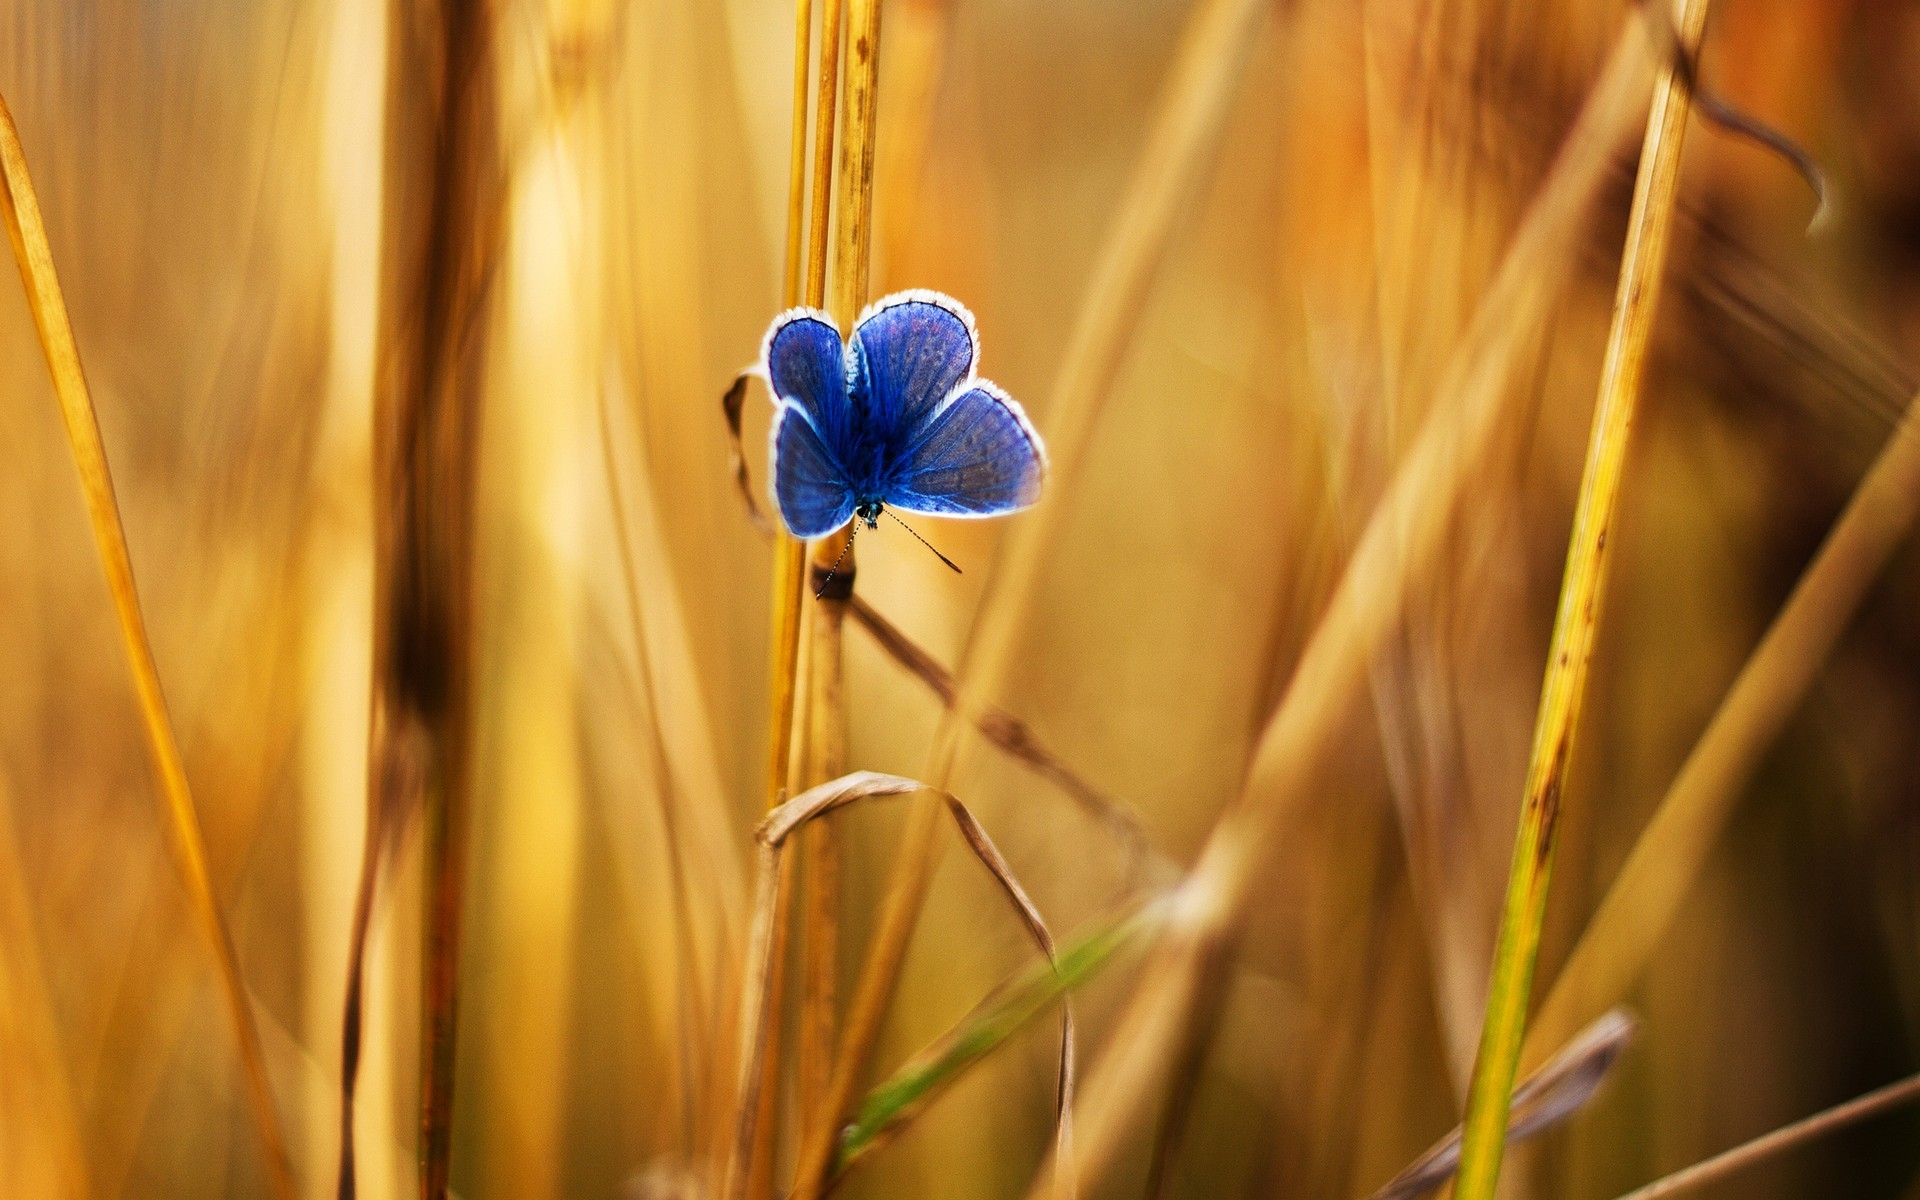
(894, 416)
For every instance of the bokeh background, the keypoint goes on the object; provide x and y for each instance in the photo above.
(212, 176)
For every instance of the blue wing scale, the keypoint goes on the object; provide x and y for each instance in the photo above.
(808, 485)
(806, 364)
(911, 350)
(976, 456)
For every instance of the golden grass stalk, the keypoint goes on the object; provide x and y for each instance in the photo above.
(824, 755)
(1186, 129)
(441, 237)
(20, 207)
(1785, 1138)
(1399, 545)
(789, 555)
(750, 1161)
(1570, 652)
(1640, 905)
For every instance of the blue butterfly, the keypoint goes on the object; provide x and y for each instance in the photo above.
(896, 417)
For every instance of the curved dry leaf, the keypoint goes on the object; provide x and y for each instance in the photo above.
(757, 1015)
(731, 405)
(1550, 1095)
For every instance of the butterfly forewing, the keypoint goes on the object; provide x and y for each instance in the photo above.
(912, 350)
(807, 364)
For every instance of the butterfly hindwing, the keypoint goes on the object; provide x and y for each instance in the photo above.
(975, 456)
(912, 349)
(809, 486)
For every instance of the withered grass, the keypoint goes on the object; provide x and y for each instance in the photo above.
(20, 207)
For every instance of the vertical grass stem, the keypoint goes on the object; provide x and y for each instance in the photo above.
(1570, 652)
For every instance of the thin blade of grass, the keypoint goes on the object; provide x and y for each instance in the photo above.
(895, 1103)
(1013, 736)
(816, 803)
(1785, 1138)
(989, 855)
(757, 1019)
(1550, 1095)
(691, 797)
(1570, 651)
(1399, 544)
(20, 208)
(731, 406)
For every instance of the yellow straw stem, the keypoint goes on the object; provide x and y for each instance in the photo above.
(789, 554)
(49, 308)
(1570, 652)
(852, 245)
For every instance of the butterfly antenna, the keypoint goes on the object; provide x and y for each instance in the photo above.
(853, 530)
(924, 542)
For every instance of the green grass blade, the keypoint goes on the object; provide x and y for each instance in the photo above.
(1016, 1004)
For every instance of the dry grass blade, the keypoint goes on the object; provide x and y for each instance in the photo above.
(731, 405)
(21, 209)
(1185, 131)
(983, 849)
(1785, 1138)
(825, 1085)
(1569, 653)
(1012, 735)
(810, 806)
(759, 1016)
(1398, 545)
(1641, 903)
(794, 263)
(1550, 1095)
(820, 213)
(693, 997)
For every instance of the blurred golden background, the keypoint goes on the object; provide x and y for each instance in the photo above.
(1313, 251)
